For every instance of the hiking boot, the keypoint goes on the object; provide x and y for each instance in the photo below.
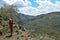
(9, 36)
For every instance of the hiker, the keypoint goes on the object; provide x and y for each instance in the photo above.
(11, 26)
(1, 30)
(0, 19)
(0, 25)
(22, 28)
(24, 32)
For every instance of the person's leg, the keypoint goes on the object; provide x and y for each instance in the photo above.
(0, 33)
(11, 31)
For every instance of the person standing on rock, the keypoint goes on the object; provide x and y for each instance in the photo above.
(11, 26)
(1, 25)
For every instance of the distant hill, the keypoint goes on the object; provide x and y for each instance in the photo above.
(27, 17)
(24, 18)
(45, 24)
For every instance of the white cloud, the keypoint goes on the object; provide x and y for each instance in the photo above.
(27, 3)
(10, 2)
(45, 7)
(29, 11)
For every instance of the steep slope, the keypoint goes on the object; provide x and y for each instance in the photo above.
(7, 12)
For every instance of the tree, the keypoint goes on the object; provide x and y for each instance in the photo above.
(9, 11)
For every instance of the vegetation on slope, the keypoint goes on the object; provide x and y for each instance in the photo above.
(46, 24)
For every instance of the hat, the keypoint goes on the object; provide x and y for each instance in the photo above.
(10, 19)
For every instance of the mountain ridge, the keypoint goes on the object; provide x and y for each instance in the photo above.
(45, 24)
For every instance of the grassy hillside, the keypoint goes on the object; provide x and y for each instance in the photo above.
(45, 24)
(7, 12)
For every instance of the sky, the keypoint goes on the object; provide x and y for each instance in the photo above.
(34, 7)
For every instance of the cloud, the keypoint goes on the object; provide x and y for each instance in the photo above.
(10, 2)
(45, 6)
(30, 11)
